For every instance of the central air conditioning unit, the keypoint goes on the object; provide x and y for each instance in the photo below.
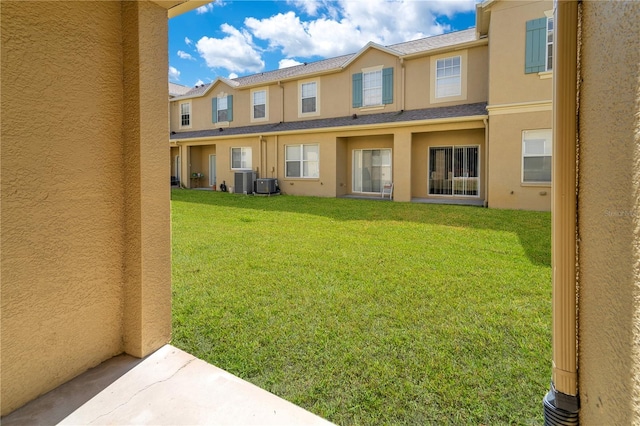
(244, 182)
(266, 186)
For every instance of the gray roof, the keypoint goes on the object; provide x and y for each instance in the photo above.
(298, 70)
(457, 111)
(406, 48)
(178, 89)
(435, 42)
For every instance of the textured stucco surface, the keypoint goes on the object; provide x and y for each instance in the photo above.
(65, 223)
(506, 190)
(609, 214)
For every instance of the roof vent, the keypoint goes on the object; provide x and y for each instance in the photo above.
(220, 129)
(354, 116)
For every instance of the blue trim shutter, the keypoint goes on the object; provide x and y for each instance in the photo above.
(536, 46)
(214, 110)
(357, 90)
(229, 107)
(387, 86)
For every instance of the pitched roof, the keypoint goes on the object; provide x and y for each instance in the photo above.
(178, 89)
(422, 45)
(457, 111)
(434, 42)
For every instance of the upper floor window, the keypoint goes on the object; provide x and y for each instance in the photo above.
(185, 114)
(222, 108)
(373, 87)
(536, 156)
(308, 97)
(448, 77)
(241, 158)
(259, 105)
(302, 161)
(539, 45)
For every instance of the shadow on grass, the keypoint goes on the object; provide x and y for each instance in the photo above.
(532, 228)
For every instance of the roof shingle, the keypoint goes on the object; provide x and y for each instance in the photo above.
(456, 111)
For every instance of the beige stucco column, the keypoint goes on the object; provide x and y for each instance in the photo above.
(147, 261)
(402, 165)
(609, 213)
(85, 208)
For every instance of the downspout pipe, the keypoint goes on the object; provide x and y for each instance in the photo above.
(561, 404)
(486, 167)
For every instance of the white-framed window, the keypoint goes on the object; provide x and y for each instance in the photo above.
(223, 109)
(549, 59)
(449, 77)
(302, 161)
(185, 115)
(308, 98)
(241, 158)
(259, 105)
(372, 88)
(371, 169)
(454, 171)
(536, 156)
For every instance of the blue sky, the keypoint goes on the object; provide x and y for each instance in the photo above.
(237, 38)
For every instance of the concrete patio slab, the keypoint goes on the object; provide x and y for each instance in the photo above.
(169, 387)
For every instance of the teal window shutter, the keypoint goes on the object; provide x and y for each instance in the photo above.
(387, 85)
(357, 90)
(536, 46)
(214, 110)
(229, 107)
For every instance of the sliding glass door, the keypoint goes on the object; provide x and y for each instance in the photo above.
(371, 169)
(454, 171)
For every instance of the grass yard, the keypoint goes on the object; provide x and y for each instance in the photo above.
(369, 312)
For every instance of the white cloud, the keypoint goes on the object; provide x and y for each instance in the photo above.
(236, 52)
(233, 75)
(188, 41)
(174, 74)
(310, 7)
(204, 9)
(286, 63)
(345, 26)
(185, 55)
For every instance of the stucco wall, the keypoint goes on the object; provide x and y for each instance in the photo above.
(325, 184)
(85, 217)
(609, 214)
(507, 34)
(506, 190)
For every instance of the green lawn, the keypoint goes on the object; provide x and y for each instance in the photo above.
(369, 312)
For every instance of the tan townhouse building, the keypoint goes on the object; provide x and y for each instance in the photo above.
(463, 117)
(86, 256)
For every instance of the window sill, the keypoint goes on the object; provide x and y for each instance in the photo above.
(308, 114)
(371, 108)
(222, 124)
(536, 184)
(545, 75)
